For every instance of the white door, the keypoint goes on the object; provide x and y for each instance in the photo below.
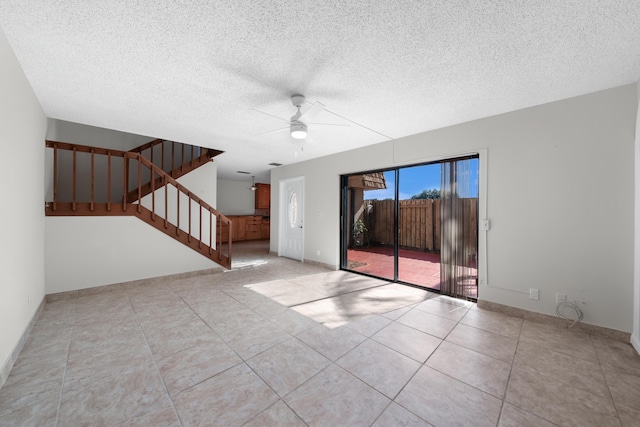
(292, 207)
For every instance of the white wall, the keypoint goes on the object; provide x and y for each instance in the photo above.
(22, 133)
(559, 194)
(235, 197)
(77, 133)
(84, 252)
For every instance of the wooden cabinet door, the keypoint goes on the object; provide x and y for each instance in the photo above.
(263, 196)
(239, 228)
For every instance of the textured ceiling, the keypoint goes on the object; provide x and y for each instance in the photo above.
(192, 71)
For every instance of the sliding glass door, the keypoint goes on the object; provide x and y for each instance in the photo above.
(416, 225)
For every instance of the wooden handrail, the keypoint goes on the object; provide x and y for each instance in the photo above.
(150, 216)
(149, 144)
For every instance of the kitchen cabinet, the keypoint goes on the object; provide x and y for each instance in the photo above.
(253, 228)
(263, 196)
(265, 229)
(247, 227)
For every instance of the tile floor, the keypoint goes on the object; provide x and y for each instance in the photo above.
(279, 343)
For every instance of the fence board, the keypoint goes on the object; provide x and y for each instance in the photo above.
(419, 223)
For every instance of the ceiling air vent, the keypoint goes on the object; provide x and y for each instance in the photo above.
(246, 173)
(275, 164)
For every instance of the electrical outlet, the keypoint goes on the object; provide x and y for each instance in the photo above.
(533, 293)
(560, 298)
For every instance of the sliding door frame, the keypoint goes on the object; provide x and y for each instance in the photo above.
(345, 212)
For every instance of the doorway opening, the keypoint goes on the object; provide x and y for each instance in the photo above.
(416, 225)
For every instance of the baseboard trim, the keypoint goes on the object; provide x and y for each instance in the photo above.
(599, 331)
(321, 264)
(635, 342)
(8, 364)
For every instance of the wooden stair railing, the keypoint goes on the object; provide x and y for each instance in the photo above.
(187, 218)
(177, 160)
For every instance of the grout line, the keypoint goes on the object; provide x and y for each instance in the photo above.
(64, 373)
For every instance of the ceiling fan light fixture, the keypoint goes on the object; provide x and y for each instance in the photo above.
(298, 130)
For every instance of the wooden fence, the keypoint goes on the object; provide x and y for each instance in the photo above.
(418, 223)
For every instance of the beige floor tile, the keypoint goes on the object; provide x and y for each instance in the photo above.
(384, 369)
(487, 343)
(408, 341)
(166, 316)
(279, 414)
(293, 322)
(558, 402)
(82, 371)
(396, 415)
(398, 312)
(40, 411)
(629, 415)
(206, 303)
(124, 394)
(442, 400)
(386, 298)
(369, 325)
(21, 392)
(336, 309)
(483, 372)
(443, 309)
(218, 312)
(331, 343)
(428, 323)
(572, 371)
(287, 293)
(238, 320)
(287, 365)
(228, 399)
(189, 367)
(491, 321)
(93, 342)
(516, 417)
(335, 397)
(165, 417)
(563, 340)
(255, 339)
(617, 355)
(165, 342)
(337, 282)
(625, 388)
(266, 307)
(43, 356)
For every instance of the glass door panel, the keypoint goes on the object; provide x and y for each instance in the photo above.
(371, 224)
(419, 225)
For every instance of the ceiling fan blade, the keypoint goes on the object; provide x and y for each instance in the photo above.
(270, 115)
(311, 112)
(327, 124)
(274, 131)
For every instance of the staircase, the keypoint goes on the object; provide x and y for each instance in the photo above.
(93, 181)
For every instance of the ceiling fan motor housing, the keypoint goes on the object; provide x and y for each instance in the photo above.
(297, 100)
(298, 130)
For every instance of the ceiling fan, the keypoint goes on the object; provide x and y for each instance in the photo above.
(300, 121)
